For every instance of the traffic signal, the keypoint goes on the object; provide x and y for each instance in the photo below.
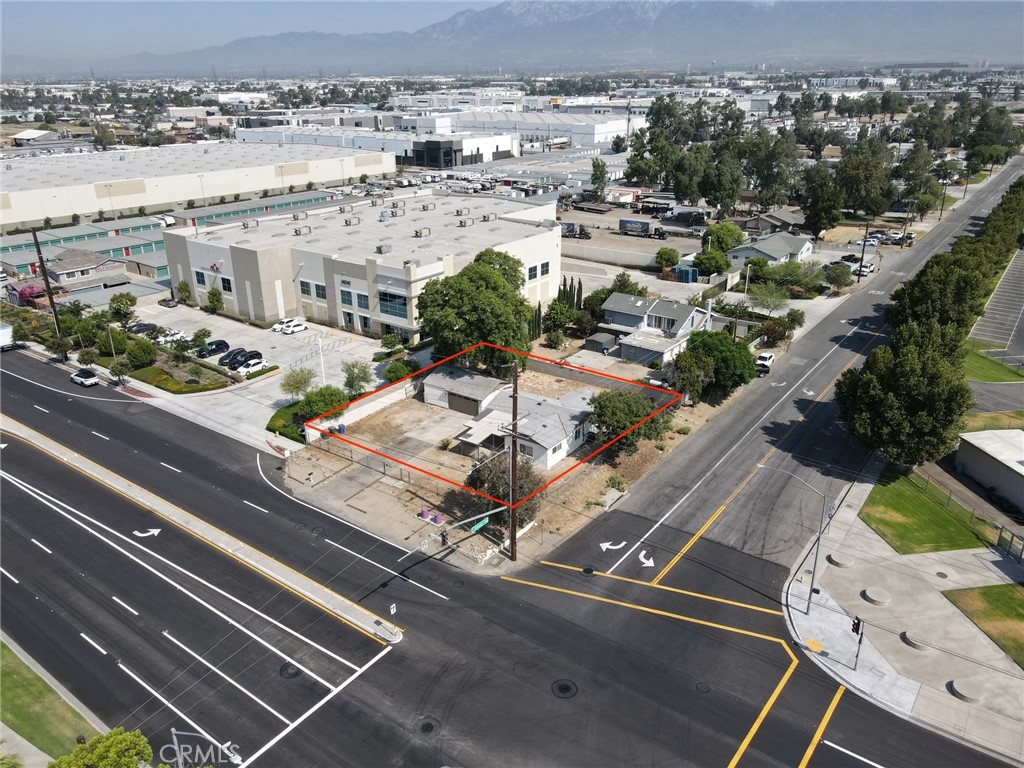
(856, 625)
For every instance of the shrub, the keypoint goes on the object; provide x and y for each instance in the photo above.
(554, 339)
(617, 483)
(141, 353)
(260, 372)
(399, 370)
(161, 379)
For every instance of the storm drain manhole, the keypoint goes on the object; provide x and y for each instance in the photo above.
(434, 576)
(588, 571)
(428, 726)
(564, 689)
(703, 687)
(941, 575)
(289, 670)
(458, 583)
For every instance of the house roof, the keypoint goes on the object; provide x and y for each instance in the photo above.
(544, 421)
(785, 216)
(675, 310)
(459, 381)
(627, 304)
(778, 246)
(31, 133)
(74, 258)
(1004, 445)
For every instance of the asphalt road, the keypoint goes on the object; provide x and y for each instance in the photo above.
(554, 666)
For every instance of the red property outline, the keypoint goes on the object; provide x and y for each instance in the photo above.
(676, 397)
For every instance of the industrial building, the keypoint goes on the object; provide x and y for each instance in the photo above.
(362, 265)
(581, 130)
(167, 177)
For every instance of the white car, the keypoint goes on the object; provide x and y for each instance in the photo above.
(294, 327)
(253, 365)
(765, 358)
(283, 323)
(85, 377)
(170, 336)
(869, 242)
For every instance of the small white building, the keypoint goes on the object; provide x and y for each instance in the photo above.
(777, 248)
(995, 459)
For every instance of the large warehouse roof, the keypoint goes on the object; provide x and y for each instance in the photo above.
(172, 160)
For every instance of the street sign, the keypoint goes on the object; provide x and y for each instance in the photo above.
(480, 524)
(394, 609)
(831, 509)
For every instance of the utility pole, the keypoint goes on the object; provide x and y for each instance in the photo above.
(49, 290)
(863, 247)
(513, 514)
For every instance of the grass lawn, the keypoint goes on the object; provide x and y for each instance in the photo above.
(283, 423)
(34, 710)
(980, 367)
(169, 382)
(976, 422)
(999, 613)
(913, 518)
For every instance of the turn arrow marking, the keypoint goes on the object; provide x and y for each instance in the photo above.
(148, 532)
(605, 546)
(648, 562)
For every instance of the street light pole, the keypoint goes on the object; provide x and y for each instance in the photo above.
(821, 527)
(942, 206)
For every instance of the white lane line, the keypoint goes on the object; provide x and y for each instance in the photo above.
(47, 551)
(261, 509)
(742, 441)
(170, 706)
(334, 692)
(175, 469)
(124, 605)
(854, 755)
(5, 573)
(40, 408)
(104, 437)
(125, 400)
(227, 679)
(92, 642)
(326, 514)
(384, 568)
(52, 503)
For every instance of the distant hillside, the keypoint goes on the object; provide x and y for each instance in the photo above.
(528, 36)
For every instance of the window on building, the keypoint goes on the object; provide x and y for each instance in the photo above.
(304, 288)
(86, 272)
(321, 290)
(526, 449)
(532, 274)
(346, 299)
(545, 268)
(225, 284)
(393, 304)
(350, 319)
(362, 301)
(200, 278)
(364, 321)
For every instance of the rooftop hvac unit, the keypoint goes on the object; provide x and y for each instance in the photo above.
(383, 249)
(398, 212)
(462, 211)
(345, 209)
(303, 230)
(467, 222)
(251, 224)
(300, 215)
(489, 217)
(429, 206)
(422, 231)
(352, 221)
(376, 201)
(398, 203)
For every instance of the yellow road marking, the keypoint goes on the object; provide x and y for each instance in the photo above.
(764, 712)
(196, 536)
(814, 645)
(703, 529)
(652, 585)
(816, 738)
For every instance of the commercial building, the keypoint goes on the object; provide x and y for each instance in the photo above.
(362, 265)
(160, 178)
(581, 130)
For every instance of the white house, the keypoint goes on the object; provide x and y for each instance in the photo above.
(650, 330)
(776, 248)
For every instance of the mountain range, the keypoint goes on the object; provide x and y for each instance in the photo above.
(537, 36)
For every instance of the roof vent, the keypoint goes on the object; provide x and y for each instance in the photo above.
(384, 249)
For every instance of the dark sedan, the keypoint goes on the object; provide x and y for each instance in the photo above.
(229, 357)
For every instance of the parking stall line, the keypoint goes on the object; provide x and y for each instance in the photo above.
(74, 518)
(173, 469)
(5, 573)
(92, 642)
(250, 504)
(104, 437)
(225, 677)
(124, 605)
(40, 408)
(47, 551)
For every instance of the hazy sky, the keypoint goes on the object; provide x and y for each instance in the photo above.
(66, 30)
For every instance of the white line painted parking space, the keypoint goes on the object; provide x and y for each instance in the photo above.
(40, 408)
(173, 469)
(103, 437)
(250, 504)
(124, 605)
(92, 642)
(42, 547)
(5, 573)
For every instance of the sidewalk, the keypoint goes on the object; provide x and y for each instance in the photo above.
(920, 657)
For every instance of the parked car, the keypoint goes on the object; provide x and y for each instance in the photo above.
(244, 358)
(870, 242)
(283, 323)
(837, 263)
(864, 270)
(851, 258)
(85, 377)
(141, 328)
(168, 303)
(229, 357)
(169, 336)
(295, 326)
(253, 365)
(215, 347)
(765, 358)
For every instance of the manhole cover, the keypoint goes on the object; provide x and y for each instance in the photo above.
(564, 689)
(289, 670)
(429, 726)
(941, 575)
(458, 583)
(703, 687)
(426, 728)
(300, 526)
(588, 571)
(434, 576)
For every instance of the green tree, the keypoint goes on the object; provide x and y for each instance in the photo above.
(771, 297)
(770, 162)
(909, 399)
(494, 478)
(711, 262)
(214, 300)
(390, 342)
(87, 356)
(116, 749)
(619, 144)
(509, 267)
(623, 283)
(320, 400)
(399, 369)
(722, 183)
(694, 372)
(599, 178)
(893, 102)
(554, 339)
(59, 346)
(863, 177)
(666, 257)
(358, 376)
(722, 236)
(617, 415)
(734, 365)
(297, 381)
(823, 200)
(559, 316)
(112, 342)
(122, 306)
(593, 302)
(184, 291)
(199, 338)
(119, 368)
(102, 136)
(838, 276)
(140, 353)
(689, 170)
